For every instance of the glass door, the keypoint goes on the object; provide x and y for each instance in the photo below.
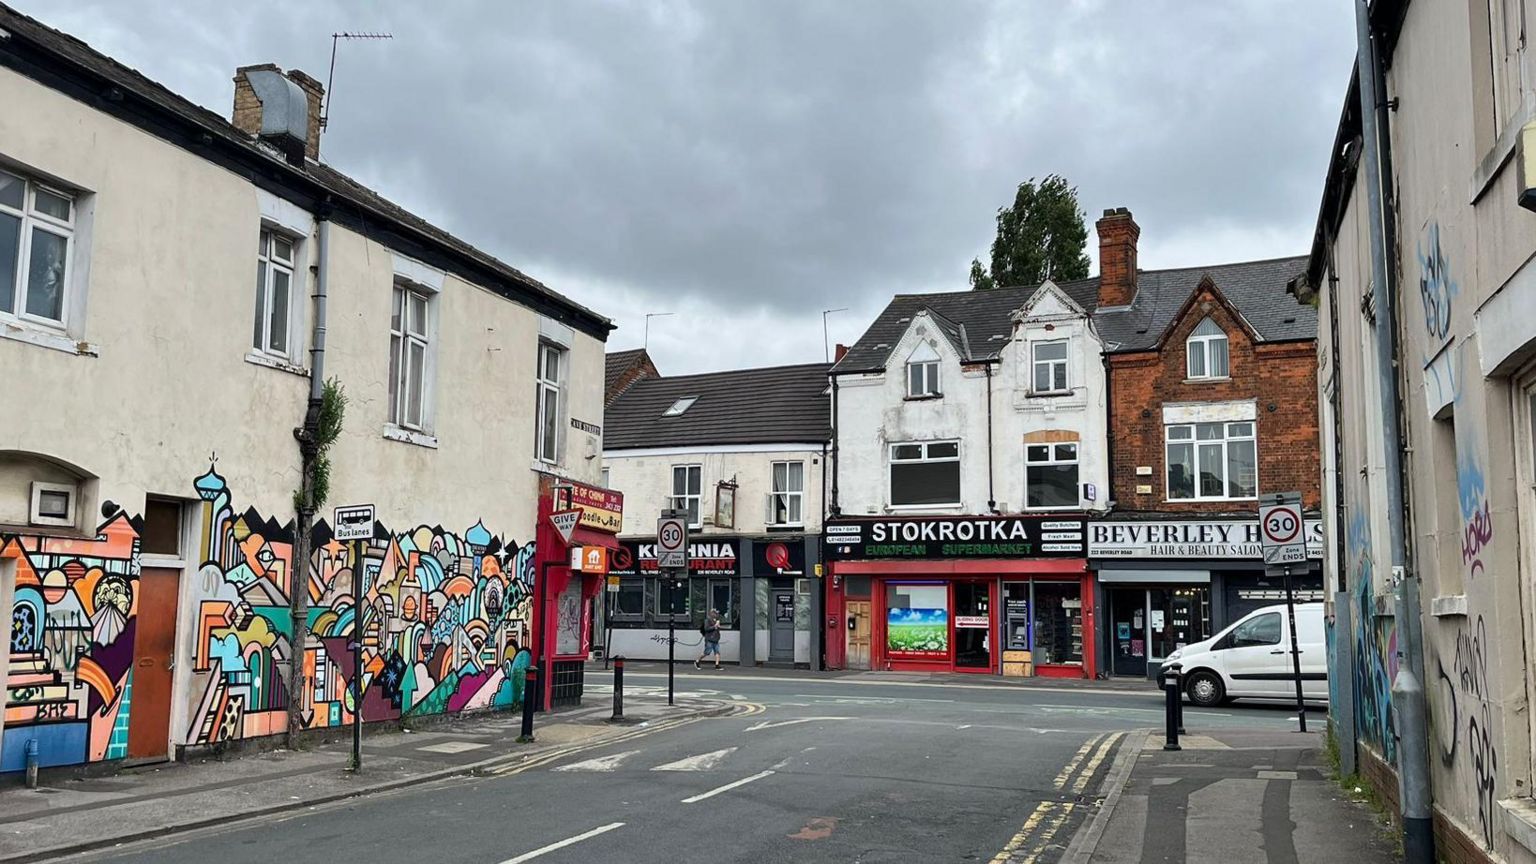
(973, 625)
(1175, 617)
(1128, 618)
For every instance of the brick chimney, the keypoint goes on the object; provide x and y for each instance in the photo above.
(1118, 233)
(841, 352)
(281, 129)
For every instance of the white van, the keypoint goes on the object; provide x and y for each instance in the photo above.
(1252, 658)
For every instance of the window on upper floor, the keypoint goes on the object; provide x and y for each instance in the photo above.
(925, 473)
(1212, 462)
(1050, 475)
(411, 350)
(1050, 366)
(786, 504)
(37, 232)
(1206, 350)
(550, 401)
(922, 379)
(275, 256)
(687, 489)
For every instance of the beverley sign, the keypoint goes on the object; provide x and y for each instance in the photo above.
(1195, 539)
(955, 537)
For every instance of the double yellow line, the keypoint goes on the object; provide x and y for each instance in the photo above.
(1048, 818)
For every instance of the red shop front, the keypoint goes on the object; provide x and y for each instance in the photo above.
(918, 595)
(563, 598)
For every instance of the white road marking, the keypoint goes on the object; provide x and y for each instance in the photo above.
(878, 700)
(701, 762)
(764, 724)
(453, 747)
(569, 841)
(996, 688)
(726, 788)
(966, 726)
(601, 763)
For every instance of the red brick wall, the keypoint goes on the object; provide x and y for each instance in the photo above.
(637, 371)
(1282, 378)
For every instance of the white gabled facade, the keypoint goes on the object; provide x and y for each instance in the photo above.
(876, 414)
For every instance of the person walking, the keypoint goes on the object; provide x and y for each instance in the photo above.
(711, 633)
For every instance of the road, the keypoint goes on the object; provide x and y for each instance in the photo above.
(808, 769)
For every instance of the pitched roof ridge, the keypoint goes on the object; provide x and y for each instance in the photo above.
(691, 375)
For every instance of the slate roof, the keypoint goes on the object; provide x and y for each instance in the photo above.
(36, 50)
(780, 404)
(1256, 288)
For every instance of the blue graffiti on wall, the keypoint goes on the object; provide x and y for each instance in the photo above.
(1375, 646)
(1437, 289)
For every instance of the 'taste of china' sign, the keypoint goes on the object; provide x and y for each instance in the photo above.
(955, 537)
(1202, 539)
(601, 509)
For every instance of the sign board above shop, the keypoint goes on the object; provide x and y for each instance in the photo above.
(955, 537)
(1218, 538)
(601, 509)
(705, 558)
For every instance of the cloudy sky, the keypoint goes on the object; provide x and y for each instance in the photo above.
(745, 164)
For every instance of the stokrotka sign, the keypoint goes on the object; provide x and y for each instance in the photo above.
(955, 537)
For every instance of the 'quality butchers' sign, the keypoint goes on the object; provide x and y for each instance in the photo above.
(1202, 539)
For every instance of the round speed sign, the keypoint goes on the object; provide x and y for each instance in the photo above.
(1281, 525)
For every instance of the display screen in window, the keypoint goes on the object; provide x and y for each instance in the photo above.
(917, 622)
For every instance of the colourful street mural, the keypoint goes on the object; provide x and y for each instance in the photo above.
(443, 621)
(68, 683)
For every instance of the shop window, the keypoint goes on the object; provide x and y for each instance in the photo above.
(925, 473)
(1050, 475)
(1212, 462)
(1058, 623)
(917, 622)
(629, 605)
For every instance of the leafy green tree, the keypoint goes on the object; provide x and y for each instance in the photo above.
(1042, 236)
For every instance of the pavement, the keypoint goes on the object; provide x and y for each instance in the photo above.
(758, 766)
(68, 814)
(1231, 796)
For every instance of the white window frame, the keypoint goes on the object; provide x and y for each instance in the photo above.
(793, 500)
(406, 336)
(1052, 366)
(892, 460)
(549, 396)
(31, 220)
(1200, 344)
(267, 268)
(1195, 442)
(682, 501)
(35, 511)
(923, 379)
(1054, 459)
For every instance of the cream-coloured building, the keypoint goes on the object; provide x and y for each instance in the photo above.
(1455, 108)
(744, 454)
(160, 276)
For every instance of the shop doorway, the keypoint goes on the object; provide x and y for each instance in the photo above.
(1148, 624)
(781, 627)
(973, 626)
(1128, 625)
(858, 634)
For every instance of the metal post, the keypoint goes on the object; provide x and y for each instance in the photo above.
(357, 659)
(618, 688)
(1171, 689)
(1290, 612)
(671, 637)
(1178, 702)
(530, 680)
(607, 622)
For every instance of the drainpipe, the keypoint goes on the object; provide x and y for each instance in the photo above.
(991, 497)
(837, 509)
(1408, 698)
(1343, 609)
(304, 524)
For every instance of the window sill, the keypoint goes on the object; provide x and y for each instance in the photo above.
(786, 526)
(927, 398)
(1520, 821)
(1209, 500)
(1226, 379)
(1503, 150)
(409, 436)
(45, 337)
(257, 358)
(1050, 394)
(919, 508)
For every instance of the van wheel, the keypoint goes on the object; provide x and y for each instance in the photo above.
(1205, 688)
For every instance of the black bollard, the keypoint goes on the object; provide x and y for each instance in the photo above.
(1178, 680)
(1171, 687)
(530, 683)
(618, 688)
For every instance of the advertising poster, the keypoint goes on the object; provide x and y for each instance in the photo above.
(918, 630)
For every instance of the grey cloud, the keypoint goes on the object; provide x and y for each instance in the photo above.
(754, 163)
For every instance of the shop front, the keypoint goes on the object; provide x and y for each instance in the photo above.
(983, 594)
(1165, 584)
(565, 597)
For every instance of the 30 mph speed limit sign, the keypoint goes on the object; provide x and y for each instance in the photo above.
(672, 543)
(1281, 531)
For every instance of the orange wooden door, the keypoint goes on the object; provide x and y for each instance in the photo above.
(858, 636)
(154, 646)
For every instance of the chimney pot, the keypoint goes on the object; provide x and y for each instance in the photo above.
(1118, 233)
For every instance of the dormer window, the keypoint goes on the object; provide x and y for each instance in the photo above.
(1050, 362)
(923, 373)
(1207, 351)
